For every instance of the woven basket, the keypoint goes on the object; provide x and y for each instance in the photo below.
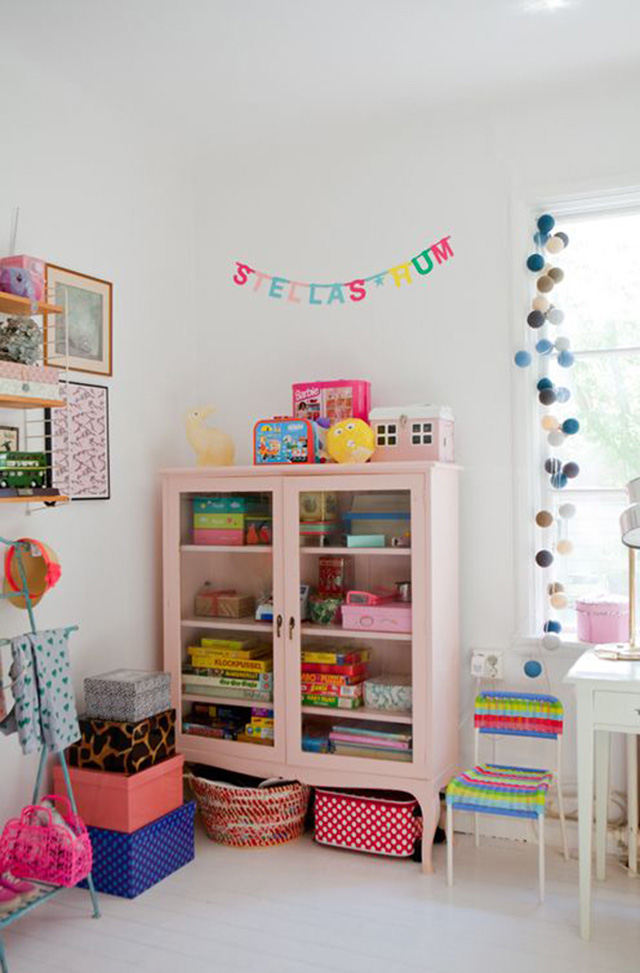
(251, 817)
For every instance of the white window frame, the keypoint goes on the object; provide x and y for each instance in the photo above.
(528, 481)
(383, 433)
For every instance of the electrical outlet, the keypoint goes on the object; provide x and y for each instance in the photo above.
(486, 665)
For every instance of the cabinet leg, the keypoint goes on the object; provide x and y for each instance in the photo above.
(632, 801)
(3, 959)
(430, 807)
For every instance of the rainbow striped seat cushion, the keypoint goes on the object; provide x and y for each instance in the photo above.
(494, 789)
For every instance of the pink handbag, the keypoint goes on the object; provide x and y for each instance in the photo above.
(36, 846)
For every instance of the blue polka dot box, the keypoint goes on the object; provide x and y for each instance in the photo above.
(128, 864)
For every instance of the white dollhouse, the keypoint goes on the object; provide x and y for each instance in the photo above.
(413, 432)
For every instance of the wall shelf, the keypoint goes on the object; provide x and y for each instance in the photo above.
(21, 306)
(27, 402)
(37, 498)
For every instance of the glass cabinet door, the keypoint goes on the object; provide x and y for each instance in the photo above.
(355, 641)
(227, 542)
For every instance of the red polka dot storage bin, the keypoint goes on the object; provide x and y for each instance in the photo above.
(378, 822)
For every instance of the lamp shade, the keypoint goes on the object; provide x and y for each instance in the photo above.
(630, 518)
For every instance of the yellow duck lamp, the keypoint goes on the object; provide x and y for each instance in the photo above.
(351, 441)
(211, 446)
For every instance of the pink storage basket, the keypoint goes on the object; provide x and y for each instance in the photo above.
(35, 846)
(392, 617)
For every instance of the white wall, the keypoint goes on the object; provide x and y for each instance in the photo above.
(350, 199)
(96, 197)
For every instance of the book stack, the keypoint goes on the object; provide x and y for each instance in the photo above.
(370, 740)
(248, 724)
(334, 678)
(231, 668)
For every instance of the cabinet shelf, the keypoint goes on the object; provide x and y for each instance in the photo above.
(224, 701)
(20, 306)
(359, 551)
(247, 624)
(337, 631)
(226, 549)
(363, 713)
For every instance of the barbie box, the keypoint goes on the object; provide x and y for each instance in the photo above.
(341, 399)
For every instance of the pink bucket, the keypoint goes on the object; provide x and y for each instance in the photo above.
(603, 620)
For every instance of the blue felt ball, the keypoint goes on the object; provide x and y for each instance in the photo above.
(558, 481)
(544, 383)
(522, 359)
(553, 626)
(532, 668)
(565, 359)
(570, 426)
(544, 346)
(535, 262)
(540, 238)
(546, 223)
(562, 394)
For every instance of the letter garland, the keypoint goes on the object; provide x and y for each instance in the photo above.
(293, 291)
(541, 314)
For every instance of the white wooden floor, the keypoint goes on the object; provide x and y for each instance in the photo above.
(307, 908)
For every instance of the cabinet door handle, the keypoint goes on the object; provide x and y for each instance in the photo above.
(278, 626)
(292, 625)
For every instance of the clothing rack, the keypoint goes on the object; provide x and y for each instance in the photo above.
(47, 891)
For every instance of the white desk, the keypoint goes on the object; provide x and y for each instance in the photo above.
(608, 701)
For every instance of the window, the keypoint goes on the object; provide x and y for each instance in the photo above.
(600, 296)
(387, 434)
(421, 433)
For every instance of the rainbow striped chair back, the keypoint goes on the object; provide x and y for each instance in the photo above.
(493, 788)
(519, 714)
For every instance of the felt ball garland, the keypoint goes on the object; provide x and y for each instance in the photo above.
(544, 316)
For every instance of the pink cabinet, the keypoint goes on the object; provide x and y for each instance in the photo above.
(282, 695)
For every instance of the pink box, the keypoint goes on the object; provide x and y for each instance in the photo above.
(412, 432)
(603, 620)
(209, 536)
(341, 399)
(392, 617)
(121, 803)
(35, 268)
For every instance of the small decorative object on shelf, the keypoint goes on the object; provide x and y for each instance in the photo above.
(351, 441)
(211, 446)
(21, 341)
(410, 432)
(334, 400)
(282, 440)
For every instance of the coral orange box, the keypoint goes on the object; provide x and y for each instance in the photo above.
(119, 803)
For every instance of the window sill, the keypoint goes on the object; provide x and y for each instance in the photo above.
(568, 648)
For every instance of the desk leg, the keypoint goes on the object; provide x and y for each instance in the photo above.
(585, 804)
(632, 801)
(603, 748)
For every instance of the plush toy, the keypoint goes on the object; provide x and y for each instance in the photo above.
(15, 280)
(351, 441)
(211, 446)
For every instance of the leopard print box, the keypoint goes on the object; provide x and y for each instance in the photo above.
(124, 748)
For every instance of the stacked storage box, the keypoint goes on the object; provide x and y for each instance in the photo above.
(127, 782)
(334, 678)
(231, 521)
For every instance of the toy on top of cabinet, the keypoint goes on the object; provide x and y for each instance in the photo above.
(335, 400)
(284, 440)
(351, 441)
(211, 446)
(418, 432)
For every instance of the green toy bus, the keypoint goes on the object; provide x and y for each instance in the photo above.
(22, 470)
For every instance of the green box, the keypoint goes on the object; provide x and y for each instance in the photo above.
(366, 540)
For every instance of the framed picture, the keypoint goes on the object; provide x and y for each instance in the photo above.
(79, 443)
(9, 439)
(89, 305)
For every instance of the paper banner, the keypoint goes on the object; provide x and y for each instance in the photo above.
(341, 292)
